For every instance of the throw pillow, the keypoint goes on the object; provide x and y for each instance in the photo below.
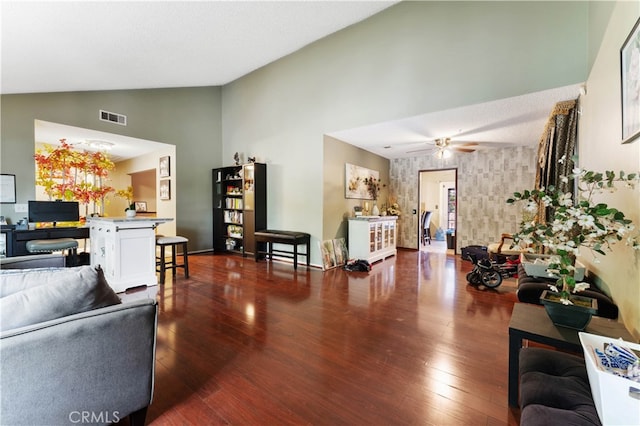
(14, 280)
(58, 295)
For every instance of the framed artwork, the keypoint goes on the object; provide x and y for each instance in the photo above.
(141, 206)
(165, 189)
(341, 252)
(7, 189)
(165, 166)
(630, 84)
(328, 254)
(354, 186)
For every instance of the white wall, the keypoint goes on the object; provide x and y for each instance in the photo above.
(600, 149)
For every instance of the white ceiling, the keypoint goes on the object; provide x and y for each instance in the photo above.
(516, 121)
(122, 147)
(53, 46)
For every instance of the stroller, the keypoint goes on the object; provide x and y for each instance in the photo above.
(490, 274)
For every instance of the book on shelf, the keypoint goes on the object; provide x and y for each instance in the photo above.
(233, 216)
(233, 203)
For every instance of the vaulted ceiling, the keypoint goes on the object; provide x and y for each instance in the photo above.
(108, 45)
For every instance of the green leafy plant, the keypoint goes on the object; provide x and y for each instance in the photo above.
(573, 225)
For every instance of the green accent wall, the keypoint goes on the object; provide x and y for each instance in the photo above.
(188, 118)
(412, 58)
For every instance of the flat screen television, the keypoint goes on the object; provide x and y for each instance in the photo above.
(54, 211)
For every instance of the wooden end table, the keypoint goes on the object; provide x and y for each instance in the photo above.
(531, 322)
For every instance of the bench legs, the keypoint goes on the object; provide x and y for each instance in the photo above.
(294, 255)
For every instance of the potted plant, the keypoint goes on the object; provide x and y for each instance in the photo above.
(127, 194)
(572, 226)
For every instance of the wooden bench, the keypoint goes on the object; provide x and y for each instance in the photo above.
(293, 238)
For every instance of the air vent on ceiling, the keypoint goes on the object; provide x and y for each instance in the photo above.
(113, 117)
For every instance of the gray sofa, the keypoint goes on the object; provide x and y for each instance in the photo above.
(79, 357)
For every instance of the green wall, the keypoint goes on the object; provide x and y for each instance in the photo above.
(187, 117)
(410, 59)
(413, 58)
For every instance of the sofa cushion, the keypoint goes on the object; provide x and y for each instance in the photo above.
(41, 295)
(554, 389)
(14, 280)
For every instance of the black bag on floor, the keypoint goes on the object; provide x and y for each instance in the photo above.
(360, 265)
(480, 252)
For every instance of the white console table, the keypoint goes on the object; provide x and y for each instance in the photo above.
(372, 238)
(125, 248)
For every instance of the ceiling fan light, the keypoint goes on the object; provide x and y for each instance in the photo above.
(100, 145)
(443, 153)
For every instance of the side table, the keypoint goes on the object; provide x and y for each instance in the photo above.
(531, 322)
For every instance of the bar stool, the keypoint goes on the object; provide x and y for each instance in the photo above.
(56, 244)
(174, 242)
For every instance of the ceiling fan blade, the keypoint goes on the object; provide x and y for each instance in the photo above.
(421, 150)
(461, 149)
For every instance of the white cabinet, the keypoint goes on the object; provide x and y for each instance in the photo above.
(372, 238)
(125, 248)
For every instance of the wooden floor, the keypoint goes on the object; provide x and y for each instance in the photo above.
(410, 343)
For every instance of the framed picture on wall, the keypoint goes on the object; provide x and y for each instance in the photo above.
(165, 189)
(354, 185)
(165, 166)
(7, 188)
(630, 84)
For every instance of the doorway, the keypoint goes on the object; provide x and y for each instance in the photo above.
(438, 195)
(137, 163)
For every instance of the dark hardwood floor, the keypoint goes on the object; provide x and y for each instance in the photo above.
(410, 343)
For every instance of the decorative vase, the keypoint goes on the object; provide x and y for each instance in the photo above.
(130, 213)
(576, 316)
(375, 211)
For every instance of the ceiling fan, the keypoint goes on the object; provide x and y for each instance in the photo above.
(443, 147)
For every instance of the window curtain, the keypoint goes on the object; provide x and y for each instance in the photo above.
(558, 140)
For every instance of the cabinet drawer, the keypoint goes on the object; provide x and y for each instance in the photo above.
(32, 235)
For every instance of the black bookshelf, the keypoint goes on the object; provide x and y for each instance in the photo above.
(239, 207)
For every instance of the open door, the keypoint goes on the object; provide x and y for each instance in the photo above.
(438, 194)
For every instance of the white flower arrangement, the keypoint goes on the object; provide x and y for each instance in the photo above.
(595, 226)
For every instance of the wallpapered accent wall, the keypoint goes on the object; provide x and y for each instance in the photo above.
(485, 180)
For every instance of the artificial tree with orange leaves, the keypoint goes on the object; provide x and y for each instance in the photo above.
(69, 174)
